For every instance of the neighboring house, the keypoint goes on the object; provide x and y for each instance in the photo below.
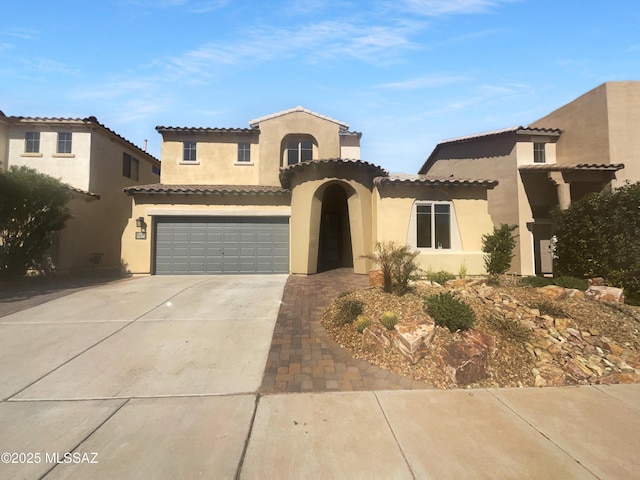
(578, 149)
(97, 164)
(291, 194)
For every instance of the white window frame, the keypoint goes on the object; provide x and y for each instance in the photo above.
(32, 142)
(65, 140)
(299, 147)
(244, 153)
(539, 152)
(454, 233)
(189, 152)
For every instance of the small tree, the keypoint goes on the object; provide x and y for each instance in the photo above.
(398, 266)
(498, 248)
(32, 210)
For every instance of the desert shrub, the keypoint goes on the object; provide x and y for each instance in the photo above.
(509, 328)
(362, 322)
(448, 311)
(597, 237)
(440, 277)
(498, 248)
(32, 210)
(462, 272)
(549, 308)
(398, 266)
(570, 282)
(389, 320)
(349, 309)
(534, 281)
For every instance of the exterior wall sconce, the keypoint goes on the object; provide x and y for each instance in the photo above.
(141, 224)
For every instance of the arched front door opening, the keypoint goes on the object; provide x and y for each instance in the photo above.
(334, 249)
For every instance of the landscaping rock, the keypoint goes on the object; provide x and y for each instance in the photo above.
(413, 340)
(376, 336)
(376, 278)
(605, 294)
(465, 361)
(597, 281)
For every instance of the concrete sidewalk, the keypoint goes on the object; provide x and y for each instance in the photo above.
(551, 433)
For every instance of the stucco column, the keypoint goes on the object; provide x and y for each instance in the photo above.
(563, 189)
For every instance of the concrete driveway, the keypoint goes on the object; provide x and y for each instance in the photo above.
(163, 352)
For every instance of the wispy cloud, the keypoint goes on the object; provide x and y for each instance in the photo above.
(426, 81)
(433, 8)
(16, 32)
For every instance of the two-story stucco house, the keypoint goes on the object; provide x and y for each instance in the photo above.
(291, 194)
(97, 164)
(580, 148)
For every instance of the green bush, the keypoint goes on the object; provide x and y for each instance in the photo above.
(440, 277)
(398, 266)
(534, 281)
(362, 322)
(349, 309)
(498, 248)
(570, 282)
(597, 236)
(32, 210)
(389, 320)
(448, 311)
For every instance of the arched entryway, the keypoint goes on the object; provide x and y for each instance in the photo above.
(334, 248)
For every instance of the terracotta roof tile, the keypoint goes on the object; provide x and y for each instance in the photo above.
(558, 167)
(287, 172)
(160, 188)
(404, 179)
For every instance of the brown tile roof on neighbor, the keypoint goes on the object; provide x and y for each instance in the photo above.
(255, 122)
(86, 193)
(164, 189)
(287, 172)
(237, 131)
(404, 179)
(556, 167)
(52, 121)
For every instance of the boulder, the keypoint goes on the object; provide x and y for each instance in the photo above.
(413, 340)
(376, 336)
(605, 294)
(376, 278)
(597, 281)
(466, 361)
(553, 292)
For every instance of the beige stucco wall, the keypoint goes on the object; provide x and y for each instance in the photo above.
(395, 207)
(72, 169)
(4, 145)
(137, 254)
(216, 160)
(600, 127)
(274, 130)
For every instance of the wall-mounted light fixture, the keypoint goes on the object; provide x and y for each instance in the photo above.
(141, 224)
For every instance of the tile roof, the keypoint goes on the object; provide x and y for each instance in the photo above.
(557, 167)
(160, 188)
(83, 192)
(287, 172)
(241, 131)
(256, 121)
(79, 121)
(554, 132)
(405, 179)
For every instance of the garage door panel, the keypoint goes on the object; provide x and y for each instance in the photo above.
(192, 245)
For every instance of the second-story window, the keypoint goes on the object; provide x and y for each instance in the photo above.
(189, 152)
(299, 151)
(32, 142)
(539, 153)
(64, 142)
(244, 152)
(130, 166)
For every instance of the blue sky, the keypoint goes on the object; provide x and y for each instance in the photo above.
(405, 73)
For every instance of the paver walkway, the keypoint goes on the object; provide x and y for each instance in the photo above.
(304, 359)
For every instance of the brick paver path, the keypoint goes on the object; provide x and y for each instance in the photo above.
(303, 358)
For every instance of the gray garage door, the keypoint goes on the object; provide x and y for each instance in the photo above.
(206, 245)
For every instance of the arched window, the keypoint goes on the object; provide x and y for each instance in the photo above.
(298, 148)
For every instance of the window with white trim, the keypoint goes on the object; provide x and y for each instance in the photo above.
(244, 152)
(64, 142)
(189, 151)
(32, 142)
(299, 151)
(539, 155)
(433, 225)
